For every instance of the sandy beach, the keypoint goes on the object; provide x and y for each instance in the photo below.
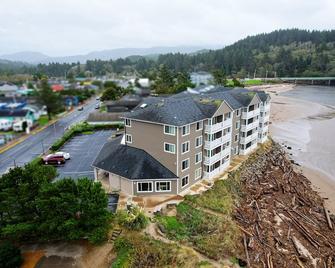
(307, 129)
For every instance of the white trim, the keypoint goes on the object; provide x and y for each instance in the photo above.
(202, 141)
(125, 122)
(177, 151)
(166, 133)
(174, 146)
(152, 187)
(202, 125)
(131, 138)
(196, 158)
(189, 144)
(188, 159)
(188, 181)
(189, 130)
(162, 191)
(195, 173)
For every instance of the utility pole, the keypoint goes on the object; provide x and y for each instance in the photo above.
(42, 146)
(255, 74)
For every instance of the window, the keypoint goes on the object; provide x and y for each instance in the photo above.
(144, 187)
(237, 125)
(184, 181)
(163, 186)
(170, 130)
(128, 122)
(185, 147)
(198, 157)
(238, 112)
(236, 137)
(199, 125)
(185, 130)
(129, 138)
(185, 164)
(197, 174)
(198, 141)
(169, 148)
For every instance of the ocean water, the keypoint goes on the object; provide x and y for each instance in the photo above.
(319, 94)
(312, 138)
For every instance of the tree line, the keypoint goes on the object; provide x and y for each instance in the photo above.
(280, 53)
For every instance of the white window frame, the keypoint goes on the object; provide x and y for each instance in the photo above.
(199, 137)
(170, 126)
(200, 153)
(186, 127)
(238, 125)
(188, 160)
(236, 135)
(150, 182)
(125, 122)
(188, 181)
(174, 146)
(163, 191)
(131, 138)
(200, 173)
(201, 123)
(188, 148)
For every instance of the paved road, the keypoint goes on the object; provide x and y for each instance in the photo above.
(36, 144)
(83, 150)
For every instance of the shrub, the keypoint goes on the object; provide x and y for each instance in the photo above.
(10, 256)
(132, 219)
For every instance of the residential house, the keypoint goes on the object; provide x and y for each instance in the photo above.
(171, 143)
(8, 89)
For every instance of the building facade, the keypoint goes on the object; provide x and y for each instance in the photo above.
(192, 135)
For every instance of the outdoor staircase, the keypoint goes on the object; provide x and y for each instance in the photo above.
(116, 233)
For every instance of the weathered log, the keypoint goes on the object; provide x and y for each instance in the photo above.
(328, 218)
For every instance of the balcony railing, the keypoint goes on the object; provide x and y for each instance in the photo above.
(247, 115)
(215, 143)
(219, 126)
(248, 150)
(265, 108)
(264, 129)
(250, 126)
(250, 138)
(263, 119)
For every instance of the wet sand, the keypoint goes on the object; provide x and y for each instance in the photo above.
(308, 128)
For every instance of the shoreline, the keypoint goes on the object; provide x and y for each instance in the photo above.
(299, 126)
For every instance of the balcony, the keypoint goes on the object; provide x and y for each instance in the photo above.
(215, 143)
(216, 172)
(211, 160)
(265, 108)
(219, 126)
(251, 126)
(251, 114)
(250, 138)
(262, 140)
(263, 119)
(264, 129)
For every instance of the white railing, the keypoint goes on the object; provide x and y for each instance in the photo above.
(248, 127)
(247, 115)
(263, 119)
(250, 138)
(264, 129)
(218, 171)
(219, 126)
(265, 108)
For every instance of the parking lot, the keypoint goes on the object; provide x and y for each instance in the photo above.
(83, 150)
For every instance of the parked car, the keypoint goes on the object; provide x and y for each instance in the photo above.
(97, 98)
(80, 108)
(97, 106)
(53, 159)
(64, 154)
(5, 125)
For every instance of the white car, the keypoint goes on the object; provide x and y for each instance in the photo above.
(64, 154)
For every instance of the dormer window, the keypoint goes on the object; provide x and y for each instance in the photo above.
(128, 122)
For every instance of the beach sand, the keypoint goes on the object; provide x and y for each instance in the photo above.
(307, 128)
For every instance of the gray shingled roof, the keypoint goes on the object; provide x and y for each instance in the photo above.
(129, 162)
(191, 106)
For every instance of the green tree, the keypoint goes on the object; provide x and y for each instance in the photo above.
(164, 82)
(10, 256)
(219, 77)
(50, 99)
(183, 81)
(112, 91)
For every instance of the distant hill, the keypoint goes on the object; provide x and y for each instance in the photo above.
(111, 54)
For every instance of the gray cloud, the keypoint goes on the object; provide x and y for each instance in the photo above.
(65, 27)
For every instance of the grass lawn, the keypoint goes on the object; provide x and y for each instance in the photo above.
(43, 120)
(253, 82)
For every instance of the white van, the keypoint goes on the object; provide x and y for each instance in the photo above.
(5, 125)
(19, 126)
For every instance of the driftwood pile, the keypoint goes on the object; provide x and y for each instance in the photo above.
(284, 222)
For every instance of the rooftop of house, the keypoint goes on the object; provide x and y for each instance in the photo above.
(192, 105)
(130, 162)
(13, 113)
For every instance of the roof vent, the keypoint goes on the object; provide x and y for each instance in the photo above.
(143, 105)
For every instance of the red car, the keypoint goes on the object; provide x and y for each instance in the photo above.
(54, 159)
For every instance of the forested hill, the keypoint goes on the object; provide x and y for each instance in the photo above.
(284, 53)
(280, 53)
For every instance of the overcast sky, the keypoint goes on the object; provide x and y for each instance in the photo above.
(67, 27)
